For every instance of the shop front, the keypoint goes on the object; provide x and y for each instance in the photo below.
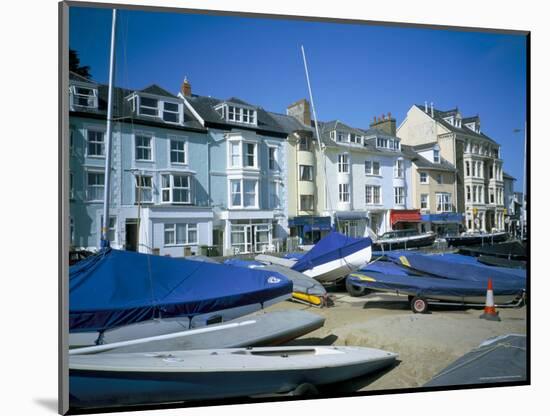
(309, 228)
(443, 224)
(351, 223)
(405, 219)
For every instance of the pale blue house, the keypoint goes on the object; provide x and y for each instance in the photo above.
(367, 178)
(159, 189)
(247, 175)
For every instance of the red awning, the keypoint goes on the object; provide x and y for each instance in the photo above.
(405, 215)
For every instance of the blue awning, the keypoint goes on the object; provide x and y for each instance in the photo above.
(310, 221)
(351, 215)
(319, 227)
(449, 217)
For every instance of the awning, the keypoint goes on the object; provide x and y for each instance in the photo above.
(444, 217)
(310, 221)
(319, 227)
(404, 215)
(351, 215)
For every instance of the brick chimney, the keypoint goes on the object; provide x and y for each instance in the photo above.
(186, 88)
(386, 124)
(300, 111)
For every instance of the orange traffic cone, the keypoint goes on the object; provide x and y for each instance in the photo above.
(490, 313)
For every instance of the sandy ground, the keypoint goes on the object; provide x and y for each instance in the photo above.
(426, 343)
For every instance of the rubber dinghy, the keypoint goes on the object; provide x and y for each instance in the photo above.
(305, 289)
(117, 288)
(497, 360)
(103, 380)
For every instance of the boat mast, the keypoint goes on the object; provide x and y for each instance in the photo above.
(107, 185)
(316, 126)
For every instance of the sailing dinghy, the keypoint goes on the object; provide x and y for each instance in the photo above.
(331, 259)
(142, 378)
(115, 289)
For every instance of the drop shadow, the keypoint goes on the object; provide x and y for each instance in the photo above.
(47, 403)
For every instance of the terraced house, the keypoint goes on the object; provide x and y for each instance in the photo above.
(246, 168)
(476, 157)
(159, 196)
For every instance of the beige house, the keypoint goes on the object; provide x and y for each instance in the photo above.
(479, 176)
(434, 188)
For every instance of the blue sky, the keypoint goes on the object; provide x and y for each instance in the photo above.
(357, 71)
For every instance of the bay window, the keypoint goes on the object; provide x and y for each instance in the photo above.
(398, 169)
(243, 154)
(306, 202)
(243, 193)
(306, 173)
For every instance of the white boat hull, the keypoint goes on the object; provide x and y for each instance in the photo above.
(107, 380)
(335, 270)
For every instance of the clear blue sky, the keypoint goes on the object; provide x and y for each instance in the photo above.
(357, 71)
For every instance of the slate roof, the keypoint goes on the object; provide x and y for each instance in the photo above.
(266, 122)
(422, 163)
(439, 116)
(122, 108)
(73, 76)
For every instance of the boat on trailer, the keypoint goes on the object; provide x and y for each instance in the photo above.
(403, 239)
(422, 289)
(331, 259)
(101, 380)
(116, 289)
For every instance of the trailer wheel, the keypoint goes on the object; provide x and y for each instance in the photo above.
(355, 291)
(419, 305)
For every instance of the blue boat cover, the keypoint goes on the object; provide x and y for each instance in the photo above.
(243, 263)
(294, 256)
(388, 277)
(115, 288)
(452, 268)
(332, 247)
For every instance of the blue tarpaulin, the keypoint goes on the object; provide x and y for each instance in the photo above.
(115, 288)
(387, 276)
(332, 247)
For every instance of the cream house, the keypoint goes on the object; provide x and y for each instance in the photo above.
(479, 182)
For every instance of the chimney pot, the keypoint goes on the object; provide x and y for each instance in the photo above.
(389, 115)
(432, 107)
(186, 87)
(426, 107)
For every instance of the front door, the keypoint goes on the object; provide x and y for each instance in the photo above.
(131, 235)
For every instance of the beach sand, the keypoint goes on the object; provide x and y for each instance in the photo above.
(426, 343)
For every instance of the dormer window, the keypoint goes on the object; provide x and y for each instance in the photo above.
(83, 97)
(385, 143)
(355, 138)
(340, 136)
(237, 114)
(167, 111)
(437, 158)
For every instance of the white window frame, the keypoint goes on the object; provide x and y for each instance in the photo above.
(139, 178)
(241, 180)
(151, 146)
(443, 206)
(371, 171)
(373, 189)
(427, 201)
(274, 197)
(236, 114)
(426, 177)
(91, 98)
(343, 193)
(159, 109)
(343, 162)
(244, 156)
(272, 163)
(171, 188)
(399, 169)
(241, 146)
(94, 172)
(178, 112)
(399, 195)
(177, 139)
(357, 138)
(173, 227)
(95, 130)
